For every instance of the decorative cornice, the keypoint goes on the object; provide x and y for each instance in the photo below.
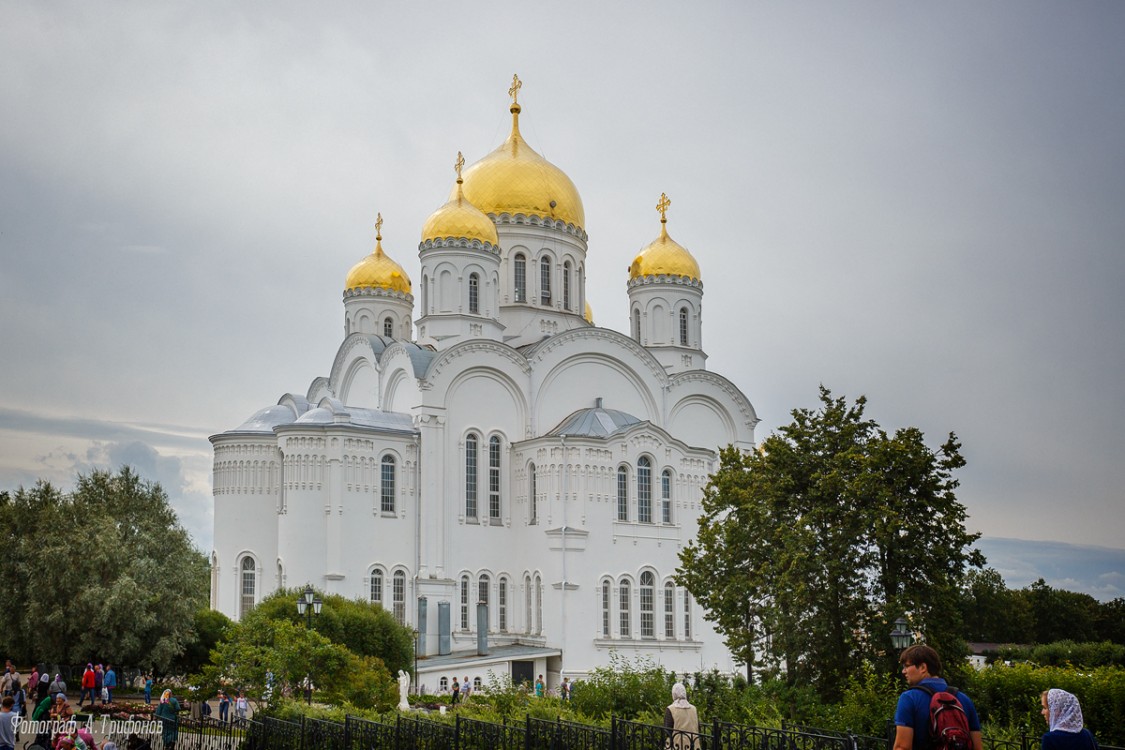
(377, 291)
(457, 242)
(343, 354)
(750, 417)
(459, 350)
(605, 334)
(540, 221)
(662, 279)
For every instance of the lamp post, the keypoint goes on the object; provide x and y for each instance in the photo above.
(900, 636)
(308, 604)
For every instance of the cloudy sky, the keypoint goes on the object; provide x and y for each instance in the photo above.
(920, 203)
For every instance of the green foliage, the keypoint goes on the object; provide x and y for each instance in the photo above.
(106, 569)
(1064, 653)
(991, 612)
(867, 702)
(826, 535)
(626, 689)
(208, 628)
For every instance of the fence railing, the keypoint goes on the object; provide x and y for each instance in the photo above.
(420, 733)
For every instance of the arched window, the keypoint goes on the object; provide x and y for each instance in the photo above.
(669, 610)
(637, 325)
(471, 477)
(483, 584)
(566, 286)
(644, 490)
(387, 486)
(502, 604)
(622, 493)
(443, 684)
(606, 632)
(532, 495)
(464, 602)
(683, 326)
(388, 327)
(687, 615)
(476, 684)
(519, 277)
(648, 594)
(625, 594)
(377, 586)
(538, 604)
(545, 281)
(399, 595)
(474, 293)
(666, 496)
(249, 586)
(494, 479)
(527, 604)
(425, 295)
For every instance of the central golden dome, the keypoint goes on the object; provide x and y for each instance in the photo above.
(514, 179)
(460, 219)
(378, 271)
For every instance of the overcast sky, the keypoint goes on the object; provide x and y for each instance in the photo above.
(920, 203)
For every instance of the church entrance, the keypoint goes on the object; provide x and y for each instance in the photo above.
(523, 671)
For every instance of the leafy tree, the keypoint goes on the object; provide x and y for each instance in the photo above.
(993, 613)
(1111, 621)
(1061, 615)
(208, 628)
(809, 548)
(105, 571)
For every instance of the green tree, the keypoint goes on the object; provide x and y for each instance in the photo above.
(1061, 615)
(105, 571)
(810, 547)
(993, 613)
(208, 628)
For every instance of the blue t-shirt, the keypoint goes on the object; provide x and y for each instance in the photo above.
(1060, 740)
(913, 710)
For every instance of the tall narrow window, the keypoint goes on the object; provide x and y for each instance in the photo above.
(644, 490)
(683, 326)
(666, 496)
(483, 584)
(471, 476)
(527, 604)
(622, 493)
(399, 595)
(605, 609)
(502, 604)
(538, 604)
(623, 605)
(474, 293)
(388, 327)
(648, 594)
(566, 286)
(669, 610)
(249, 586)
(464, 602)
(687, 615)
(494, 479)
(519, 280)
(425, 295)
(637, 326)
(387, 486)
(532, 495)
(545, 281)
(377, 587)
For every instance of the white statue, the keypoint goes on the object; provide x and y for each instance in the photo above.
(403, 690)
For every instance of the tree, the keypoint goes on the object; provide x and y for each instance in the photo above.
(993, 613)
(1061, 615)
(105, 571)
(209, 627)
(809, 548)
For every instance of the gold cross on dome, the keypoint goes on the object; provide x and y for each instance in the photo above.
(459, 164)
(514, 91)
(378, 225)
(662, 206)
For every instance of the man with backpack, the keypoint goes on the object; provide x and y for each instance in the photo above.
(930, 714)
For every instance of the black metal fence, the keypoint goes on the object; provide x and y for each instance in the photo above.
(419, 733)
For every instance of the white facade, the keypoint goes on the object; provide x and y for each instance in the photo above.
(512, 452)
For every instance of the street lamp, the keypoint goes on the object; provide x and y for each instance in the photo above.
(308, 604)
(900, 636)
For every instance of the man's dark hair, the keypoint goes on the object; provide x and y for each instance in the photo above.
(8, 701)
(921, 654)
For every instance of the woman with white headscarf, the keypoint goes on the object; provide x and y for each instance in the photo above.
(1064, 723)
(682, 721)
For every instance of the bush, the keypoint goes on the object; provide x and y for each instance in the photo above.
(628, 690)
(1063, 653)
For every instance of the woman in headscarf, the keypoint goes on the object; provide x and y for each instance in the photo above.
(1064, 723)
(43, 689)
(681, 720)
(57, 686)
(167, 712)
(60, 709)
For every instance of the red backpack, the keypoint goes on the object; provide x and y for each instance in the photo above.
(949, 724)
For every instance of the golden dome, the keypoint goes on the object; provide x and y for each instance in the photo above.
(589, 314)
(664, 256)
(514, 179)
(377, 270)
(459, 218)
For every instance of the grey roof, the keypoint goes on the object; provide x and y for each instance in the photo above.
(332, 411)
(518, 651)
(595, 422)
(264, 420)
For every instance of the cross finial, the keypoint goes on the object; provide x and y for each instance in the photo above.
(459, 165)
(662, 206)
(379, 226)
(514, 91)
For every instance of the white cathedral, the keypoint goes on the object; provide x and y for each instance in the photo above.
(504, 476)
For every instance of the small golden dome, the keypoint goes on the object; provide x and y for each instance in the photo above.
(514, 179)
(377, 270)
(589, 314)
(664, 256)
(459, 218)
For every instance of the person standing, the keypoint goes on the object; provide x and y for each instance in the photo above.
(681, 719)
(109, 682)
(43, 688)
(242, 706)
(224, 706)
(33, 681)
(466, 689)
(1065, 730)
(456, 693)
(148, 689)
(564, 689)
(87, 685)
(99, 676)
(168, 713)
(539, 687)
(921, 667)
(7, 726)
(57, 686)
